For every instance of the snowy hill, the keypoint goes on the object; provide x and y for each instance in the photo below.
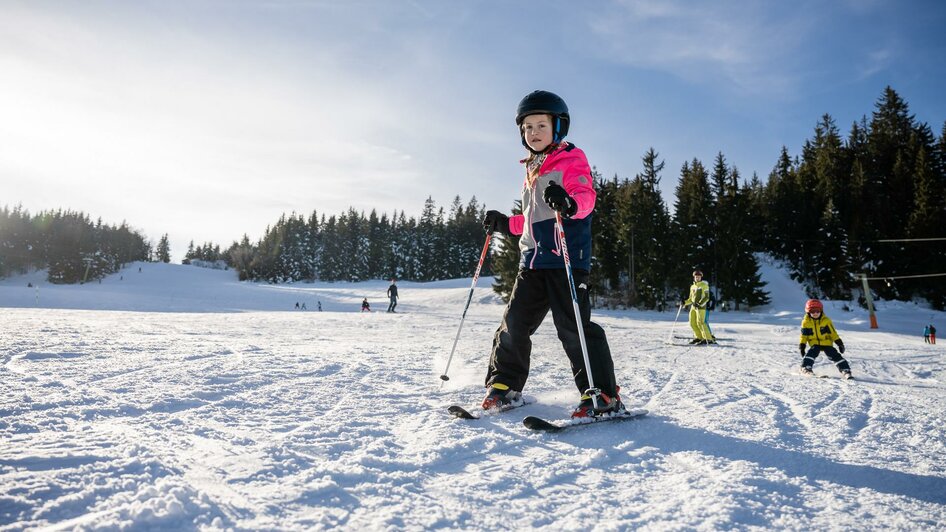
(179, 398)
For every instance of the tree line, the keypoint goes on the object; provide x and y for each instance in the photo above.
(354, 247)
(68, 244)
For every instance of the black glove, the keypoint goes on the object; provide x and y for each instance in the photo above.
(559, 200)
(801, 349)
(840, 345)
(496, 222)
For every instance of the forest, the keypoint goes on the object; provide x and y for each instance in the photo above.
(68, 244)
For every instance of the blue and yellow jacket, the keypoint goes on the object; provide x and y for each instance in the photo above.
(818, 331)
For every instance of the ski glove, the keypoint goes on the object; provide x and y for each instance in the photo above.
(496, 222)
(840, 345)
(559, 200)
(801, 349)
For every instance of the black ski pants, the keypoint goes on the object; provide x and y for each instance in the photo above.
(534, 294)
(829, 351)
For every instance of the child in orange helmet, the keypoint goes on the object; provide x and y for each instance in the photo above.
(818, 331)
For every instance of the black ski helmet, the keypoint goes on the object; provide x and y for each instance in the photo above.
(544, 102)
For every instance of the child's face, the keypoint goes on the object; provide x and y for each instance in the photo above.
(814, 313)
(537, 130)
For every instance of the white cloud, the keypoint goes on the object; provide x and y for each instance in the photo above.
(747, 46)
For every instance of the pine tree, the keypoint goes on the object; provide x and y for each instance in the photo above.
(889, 173)
(928, 220)
(829, 256)
(378, 242)
(189, 256)
(505, 258)
(164, 249)
(691, 225)
(644, 222)
(606, 260)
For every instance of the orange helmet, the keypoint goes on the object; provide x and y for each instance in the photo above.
(813, 304)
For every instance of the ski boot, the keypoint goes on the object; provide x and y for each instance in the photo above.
(695, 341)
(846, 375)
(500, 396)
(606, 405)
(805, 370)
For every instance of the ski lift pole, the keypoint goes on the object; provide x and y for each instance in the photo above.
(870, 302)
(476, 275)
(592, 390)
(674, 326)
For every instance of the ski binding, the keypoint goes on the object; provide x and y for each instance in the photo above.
(462, 413)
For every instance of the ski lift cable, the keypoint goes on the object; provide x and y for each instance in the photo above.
(884, 240)
(892, 277)
(909, 240)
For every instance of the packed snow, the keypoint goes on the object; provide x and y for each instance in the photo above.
(176, 397)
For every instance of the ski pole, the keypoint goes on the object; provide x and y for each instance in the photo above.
(672, 327)
(476, 275)
(592, 391)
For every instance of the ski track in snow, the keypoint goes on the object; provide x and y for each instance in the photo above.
(258, 420)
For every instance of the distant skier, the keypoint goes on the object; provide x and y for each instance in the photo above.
(926, 334)
(392, 294)
(365, 307)
(932, 334)
(818, 331)
(558, 179)
(320, 305)
(699, 312)
(303, 306)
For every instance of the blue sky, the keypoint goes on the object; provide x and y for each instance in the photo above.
(209, 119)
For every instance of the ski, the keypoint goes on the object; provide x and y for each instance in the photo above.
(820, 376)
(724, 341)
(543, 425)
(676, 344)
(462, 413)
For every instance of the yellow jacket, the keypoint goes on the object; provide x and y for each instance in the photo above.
(818, 331)
(699, 294)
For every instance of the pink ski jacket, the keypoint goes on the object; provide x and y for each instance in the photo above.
(539, 245)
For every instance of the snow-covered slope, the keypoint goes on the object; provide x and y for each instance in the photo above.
(204, 418)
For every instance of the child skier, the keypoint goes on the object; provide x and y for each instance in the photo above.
(558, 179)
(365, 307)
(818, 331)
(699, 313)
